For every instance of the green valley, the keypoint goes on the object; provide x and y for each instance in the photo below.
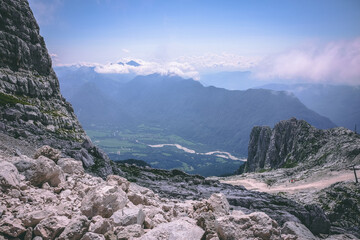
(122, 144)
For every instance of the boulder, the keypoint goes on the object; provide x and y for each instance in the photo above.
(93, 236)
(11, 227)
(76, 228)
(206, 220)
(9, 176)
(86, 158)
(129, 232)
(218, 204)
(295, 230)
(256, 225)
(153, 217)
(128, 216)
(139, 195)
(49, 152)
(100, 225)
(51, 227)
(40, 171)
(71, 166)
(103, 201)
(31, 219)
(181, 229)
(116, 180)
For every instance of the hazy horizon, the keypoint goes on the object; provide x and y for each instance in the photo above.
(307, 41)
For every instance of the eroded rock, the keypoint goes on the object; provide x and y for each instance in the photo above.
(75, 229)
(128, 216)
(51, 227)
(93, 236)
(256, 225)
(11, 227)
(40, 170)
(181, 229)
(49, 152)
(103, 201)
(71, 166)
(9, 176)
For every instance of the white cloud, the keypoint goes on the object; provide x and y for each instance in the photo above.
(146, 67)
(335, 62)
(125, 50)
(221, 62)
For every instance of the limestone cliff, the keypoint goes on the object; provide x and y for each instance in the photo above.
(31, 105)
(295, 142)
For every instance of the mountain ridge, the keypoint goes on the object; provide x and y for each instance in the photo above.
(32, 106)
(295, 142)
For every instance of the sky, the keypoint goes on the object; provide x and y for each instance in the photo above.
(312, 40)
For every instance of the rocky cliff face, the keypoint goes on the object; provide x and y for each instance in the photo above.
(31, 105)
(294, 143)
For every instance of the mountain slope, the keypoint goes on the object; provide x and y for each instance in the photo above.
(31, 105)
(339, 103)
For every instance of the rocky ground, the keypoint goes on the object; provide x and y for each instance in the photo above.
(48, 197)
(334, 191)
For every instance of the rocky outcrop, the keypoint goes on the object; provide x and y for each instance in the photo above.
(31, 105)
(295, 142)
(341, 203)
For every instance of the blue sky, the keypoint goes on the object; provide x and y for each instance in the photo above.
(104, 31)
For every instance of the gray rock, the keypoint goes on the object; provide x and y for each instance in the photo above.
(49, 152)
(51, 227)
(103, 201)
(218, 204)
(31, 219)
(128, 216)
(9, 176)
(181, 229)
(256, 225)
(100, 225)
(70, 166)
(129, 232)
(86, 158)
(93, 236)
(40, 171)
(341, 201)
(75, 229)
(11, 227)
(296, 230)
(118, 181)
(319, 222)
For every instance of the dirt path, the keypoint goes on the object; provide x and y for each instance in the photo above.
(317, 182)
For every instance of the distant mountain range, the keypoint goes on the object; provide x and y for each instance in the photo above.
(217, 118)
(341, 104)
